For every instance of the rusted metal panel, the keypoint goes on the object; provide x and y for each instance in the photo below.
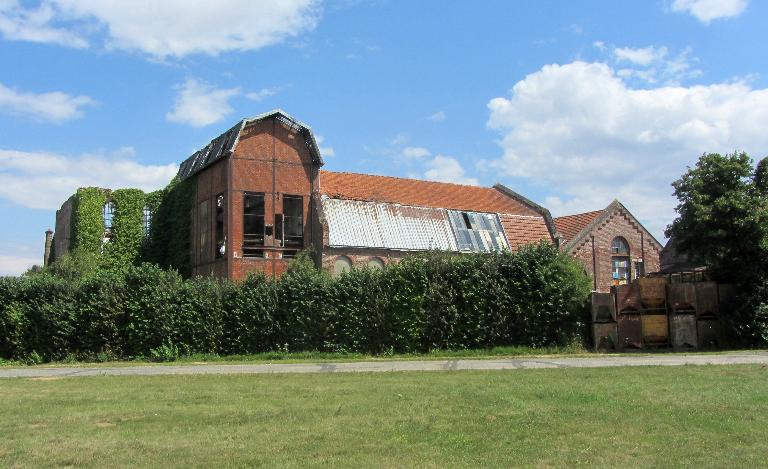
(630, 331)
(354, 223)
(683, 332)
(653, 294)
(605, 335)
(681, 297)
(708, 331)
(655, 329)
(706, 299)
(603, 307)
(627, 298)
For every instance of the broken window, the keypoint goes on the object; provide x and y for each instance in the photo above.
(204, 228)
(146, 219)
(109, 213)
(478, 232)
(253, 224)
(293, 220)
(221, 239)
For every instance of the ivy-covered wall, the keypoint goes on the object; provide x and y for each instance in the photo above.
(168, 240)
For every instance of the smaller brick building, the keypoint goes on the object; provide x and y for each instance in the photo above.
(612, 245)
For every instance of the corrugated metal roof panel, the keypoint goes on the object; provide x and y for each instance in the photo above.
(353, 223)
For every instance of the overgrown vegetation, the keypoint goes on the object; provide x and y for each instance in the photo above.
(533, 298)
(722, 223)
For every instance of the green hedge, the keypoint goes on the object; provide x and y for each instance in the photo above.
(534, 297)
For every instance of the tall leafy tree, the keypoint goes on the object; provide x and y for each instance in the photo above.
(722, 220)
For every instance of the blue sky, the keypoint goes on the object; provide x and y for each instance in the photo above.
(572, 104)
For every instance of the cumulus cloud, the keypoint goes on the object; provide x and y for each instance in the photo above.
(641, 55)
(42, 180)
(262, 93)
(325, 150)
(708, 10)
(651, 64)
(199, 104)
(170, 28)
(588, 135)
(50, 107)
(446, 169)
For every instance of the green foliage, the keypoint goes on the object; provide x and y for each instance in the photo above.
(718, 212)
(532, 298)
(88, 219)
(127, 229)
(169, 241)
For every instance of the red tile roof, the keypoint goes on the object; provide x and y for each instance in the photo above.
(419, 193)
(522, 224)
(571, 225)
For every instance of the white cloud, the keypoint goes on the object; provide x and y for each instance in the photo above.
(583, 131)
(51, 107)
(262, 93)
(708, 10)
(34, 25)
(325, 150)
(439, 116)
(640, 56)
(162, 29)
(446, 169)
(415, 152)
(199, 104)
(45, 180)
(17, 265)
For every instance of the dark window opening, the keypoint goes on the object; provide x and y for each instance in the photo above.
(292, 230)
(279, 229)
(619, 246)
(147, 220)
(221, 238)
(204, 228)
(467, 223)
(639, 269)
(253, 224)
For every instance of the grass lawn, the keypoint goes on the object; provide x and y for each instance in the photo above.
(702, 416)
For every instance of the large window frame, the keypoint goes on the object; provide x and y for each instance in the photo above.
(253, 224)
(220, 232)
(621, 268)
(293, 222)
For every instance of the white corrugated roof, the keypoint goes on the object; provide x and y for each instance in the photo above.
(353, 223)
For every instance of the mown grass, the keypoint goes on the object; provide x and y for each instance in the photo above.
(703, 416)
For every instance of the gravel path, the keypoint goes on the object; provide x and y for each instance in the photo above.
(600, 361)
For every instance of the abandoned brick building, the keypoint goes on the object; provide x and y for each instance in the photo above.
(611, 244)
(260, 197)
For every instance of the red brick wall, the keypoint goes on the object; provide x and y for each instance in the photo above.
(273, 159)
(209, 183)
(359, 256)
(641, 246)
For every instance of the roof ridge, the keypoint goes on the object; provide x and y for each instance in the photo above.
(579, 214)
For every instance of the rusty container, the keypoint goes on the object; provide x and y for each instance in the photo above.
(707, 303)
(653, 292)
(708, 331)
(630, 331)
(627, 298)
(681, 297)
(683, 331)
(655, 329)
(605, 336)
(603, 307)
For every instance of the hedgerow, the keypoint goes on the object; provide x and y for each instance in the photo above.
(534, 298)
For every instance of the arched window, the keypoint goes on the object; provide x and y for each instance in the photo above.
(376, 263)
(619, 246)
(620, 261)
(342, 264)
(109, 212)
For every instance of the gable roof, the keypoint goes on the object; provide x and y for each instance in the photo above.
(523, 221)
(570, 226)
(580, 222)
(223, 145)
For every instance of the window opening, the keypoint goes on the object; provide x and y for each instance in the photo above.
(342, 264)
(109, 213)
(253, 224)
(147, 220)
(293, 221)
(221, 238)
